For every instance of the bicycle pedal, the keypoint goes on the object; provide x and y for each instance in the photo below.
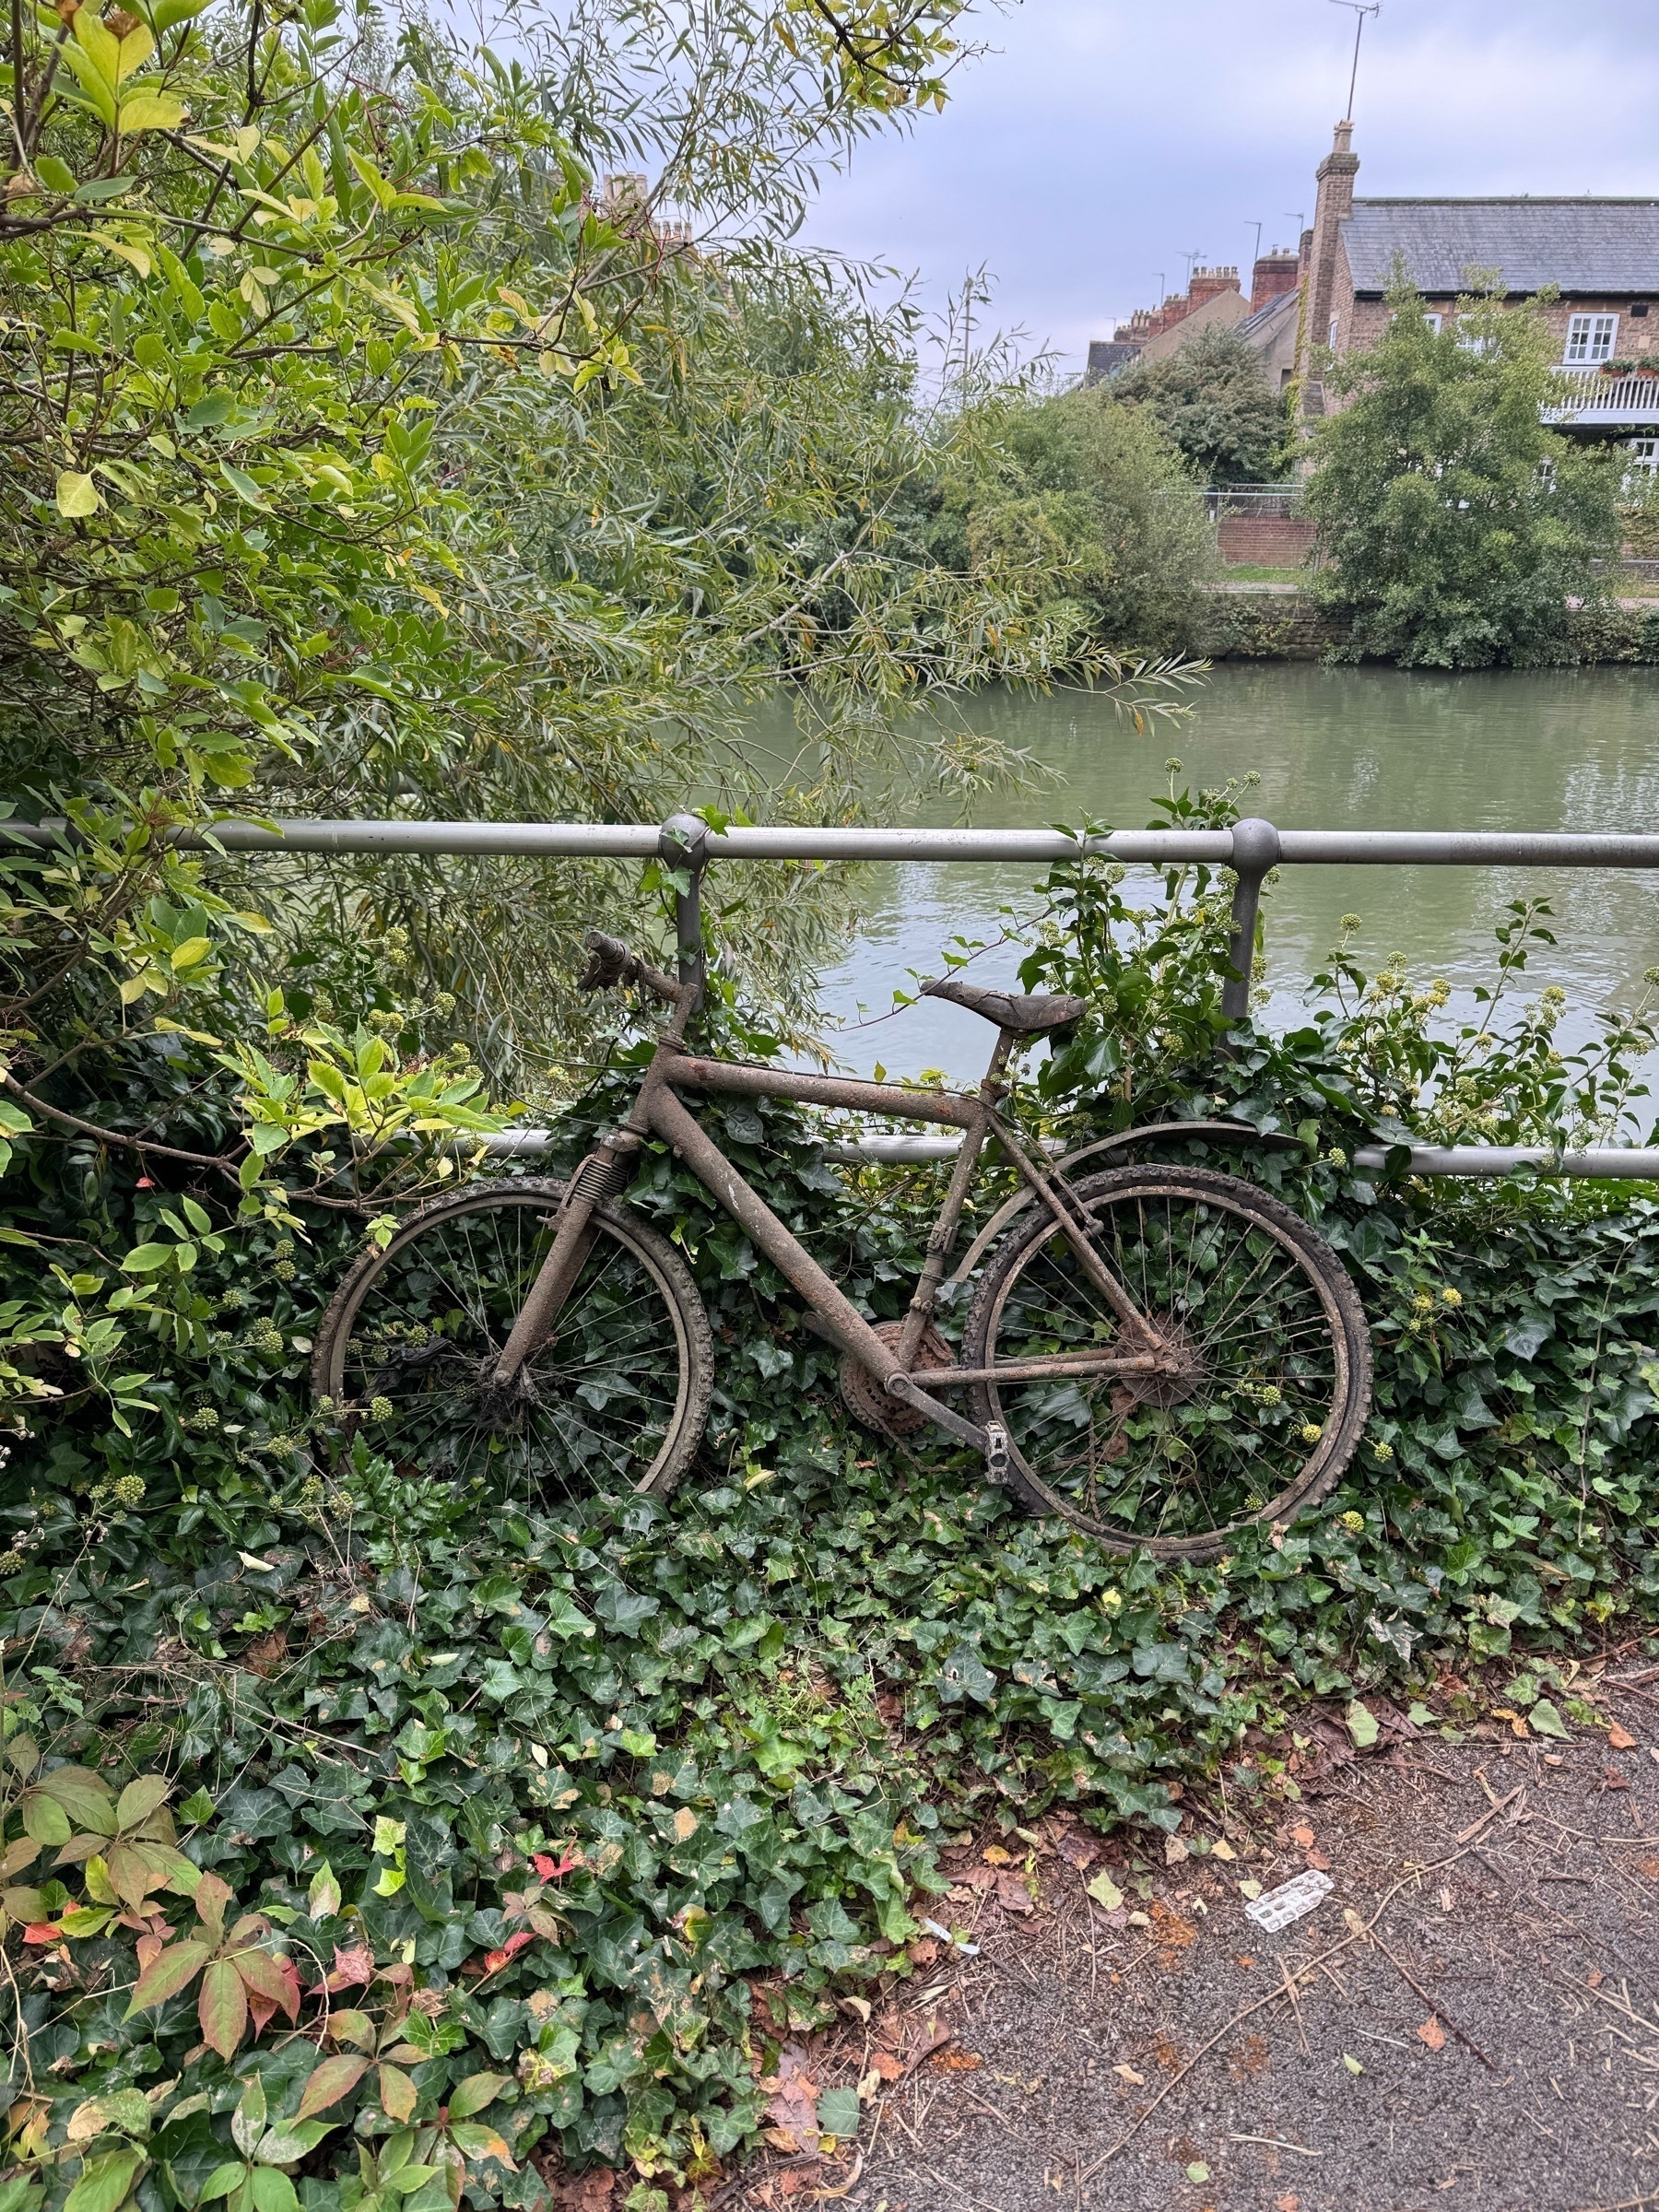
(996, 1453)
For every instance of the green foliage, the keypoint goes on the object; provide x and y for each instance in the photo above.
(1088, 493)
(562, 1822)
(1453, 526)
(1212, 400)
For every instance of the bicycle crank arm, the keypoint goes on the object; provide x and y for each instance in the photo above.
(1044, 1370)
(968, 1432)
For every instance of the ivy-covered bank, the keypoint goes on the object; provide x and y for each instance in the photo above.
(495, 1844)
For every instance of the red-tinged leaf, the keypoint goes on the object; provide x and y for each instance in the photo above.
(263, 1974)
(334, 2078)
(173, 1970)
(353, 1969)
(212, 1897)
(83, 1796)
(494, 1960)
(397, 2093)
(42, 1931)
(140, 1799)
(551, 1870)
(261, 2011)
(16, 1856)
(150, 1948)
(222, 2007)
(346, 2026)
(131, 1875)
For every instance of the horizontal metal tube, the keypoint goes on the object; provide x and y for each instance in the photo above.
(624, 841)
(1467, 848)
(1608, 1162)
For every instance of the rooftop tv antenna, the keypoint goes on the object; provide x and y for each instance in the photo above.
(1196, 254)
(1251, 225)
(1361, 9)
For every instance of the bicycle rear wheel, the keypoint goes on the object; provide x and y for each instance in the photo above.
(1272, 1385)
(615, 1402)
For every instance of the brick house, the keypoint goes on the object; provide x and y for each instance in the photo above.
(1601, 255)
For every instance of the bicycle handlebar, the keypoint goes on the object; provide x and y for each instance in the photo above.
(613, 964)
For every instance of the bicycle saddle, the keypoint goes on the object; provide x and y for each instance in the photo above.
(1026, 1016)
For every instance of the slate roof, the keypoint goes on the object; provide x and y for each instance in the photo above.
(1257, 326)
(1585, 246)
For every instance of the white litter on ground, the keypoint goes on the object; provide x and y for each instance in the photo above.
(1291, 1900)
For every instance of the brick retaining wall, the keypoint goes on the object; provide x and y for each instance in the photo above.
(1264, 541)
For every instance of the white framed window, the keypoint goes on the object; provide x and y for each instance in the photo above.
(1434, 323)
(1331, 334)
(1644, 457)
(1589, 338)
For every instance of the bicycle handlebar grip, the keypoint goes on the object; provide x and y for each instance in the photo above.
(610, 964)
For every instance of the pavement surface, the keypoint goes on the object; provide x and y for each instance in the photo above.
(1469, 2020)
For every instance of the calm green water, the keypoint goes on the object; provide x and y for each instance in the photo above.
(1335, 748)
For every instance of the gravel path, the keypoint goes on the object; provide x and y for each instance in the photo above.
(1468, 2022)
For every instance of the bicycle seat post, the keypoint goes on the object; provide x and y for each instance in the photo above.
(684, 845)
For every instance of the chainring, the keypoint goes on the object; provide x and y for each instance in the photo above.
(866, 1401)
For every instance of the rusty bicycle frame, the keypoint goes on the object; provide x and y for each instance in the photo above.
(658, 1112)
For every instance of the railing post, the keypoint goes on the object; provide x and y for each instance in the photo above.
(684, 845)
(1256, 849)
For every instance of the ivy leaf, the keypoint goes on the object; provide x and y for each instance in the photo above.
(1546, 1720)
(1362, 1724)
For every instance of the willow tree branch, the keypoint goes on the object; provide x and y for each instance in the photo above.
(114, 1137)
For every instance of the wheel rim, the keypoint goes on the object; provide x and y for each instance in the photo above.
(1238, 1434)
(599, 1410)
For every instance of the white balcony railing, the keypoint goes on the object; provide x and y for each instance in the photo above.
(1589, 396)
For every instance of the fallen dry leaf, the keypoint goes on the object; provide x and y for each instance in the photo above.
(1012, 1894)
(995, 1856)
(952, 2061)
(885, 2066)
(1078, 1850)
(1129, 2074)
(924, 1950)
(1320, 1861)
(1222, 1848)
(1245, 1960)
(1433, 2033)
(1620, 1739)
(1302, 1837)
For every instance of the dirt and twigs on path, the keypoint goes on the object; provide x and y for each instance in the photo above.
(1469, 2020)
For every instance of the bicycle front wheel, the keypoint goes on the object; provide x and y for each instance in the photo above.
(614, 1401)
(1267, 1396)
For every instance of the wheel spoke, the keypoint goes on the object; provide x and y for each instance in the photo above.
(1227, 1435)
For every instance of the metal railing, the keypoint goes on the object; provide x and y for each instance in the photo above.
(1590, 395)
(1250, 849)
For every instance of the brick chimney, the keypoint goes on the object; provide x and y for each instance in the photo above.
(1332, 209)
(1205, 284)
(1273, 275)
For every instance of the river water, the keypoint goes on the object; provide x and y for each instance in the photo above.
(1335, 748)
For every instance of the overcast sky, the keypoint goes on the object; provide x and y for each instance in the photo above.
(1103, 140)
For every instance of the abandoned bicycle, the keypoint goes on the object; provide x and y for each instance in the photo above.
(1160, 1354)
